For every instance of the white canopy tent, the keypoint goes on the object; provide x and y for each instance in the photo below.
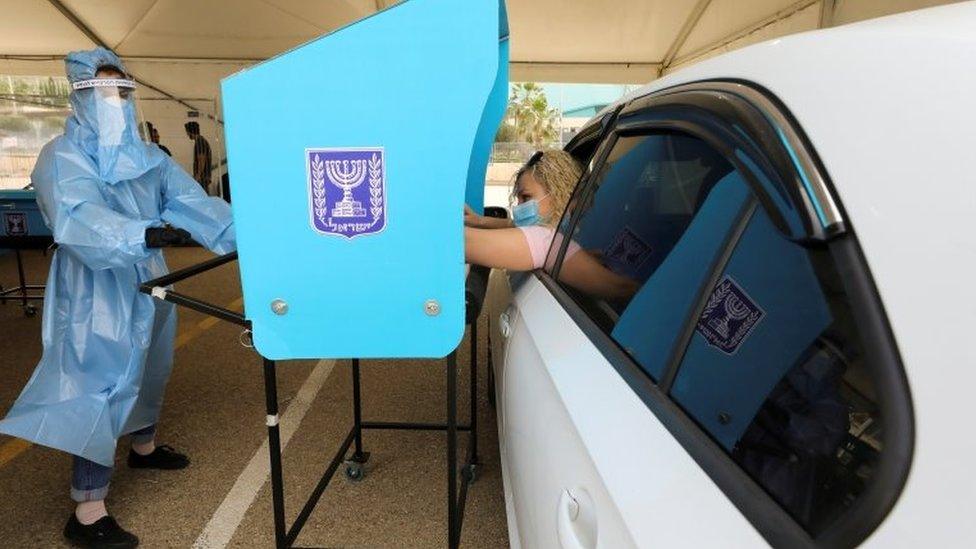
(185, 46)
(180, 49)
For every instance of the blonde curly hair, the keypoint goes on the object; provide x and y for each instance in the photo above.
(558, 172)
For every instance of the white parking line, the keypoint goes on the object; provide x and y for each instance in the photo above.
(224, 522)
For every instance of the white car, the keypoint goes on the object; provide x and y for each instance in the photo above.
(793, 369)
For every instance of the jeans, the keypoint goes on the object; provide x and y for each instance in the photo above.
(90, 480)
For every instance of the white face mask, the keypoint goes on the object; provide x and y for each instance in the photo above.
(527, 213)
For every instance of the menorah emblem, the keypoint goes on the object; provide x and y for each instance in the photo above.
(347, 175)
(729, 316)
(735, 310)
(354, 204)
(627, 252)
(16, 224)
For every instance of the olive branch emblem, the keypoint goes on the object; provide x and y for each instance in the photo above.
(375, 187)
(717, 297)
(318, 188)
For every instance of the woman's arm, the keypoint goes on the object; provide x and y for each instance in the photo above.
(584, 272)
(497, 248)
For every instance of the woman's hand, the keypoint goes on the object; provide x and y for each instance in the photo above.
(471, 219)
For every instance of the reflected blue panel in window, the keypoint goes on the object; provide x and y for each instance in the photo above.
(649, 325)
(765, 312)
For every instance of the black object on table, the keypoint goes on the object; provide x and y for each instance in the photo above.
(285, 536)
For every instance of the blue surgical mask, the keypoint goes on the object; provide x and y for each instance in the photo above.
(526, 214)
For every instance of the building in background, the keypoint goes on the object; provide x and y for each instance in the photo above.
(33, 110)
(577, 103)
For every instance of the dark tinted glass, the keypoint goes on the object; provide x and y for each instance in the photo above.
(775, 373)
(660, 209)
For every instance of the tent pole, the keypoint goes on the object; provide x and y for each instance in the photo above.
(827, 13)
(87, 31)
(683, 34)
(780, 15)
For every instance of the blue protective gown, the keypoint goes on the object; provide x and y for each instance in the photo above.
(108, 349)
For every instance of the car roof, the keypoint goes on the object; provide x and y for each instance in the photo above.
(875, 87)
(887, 105)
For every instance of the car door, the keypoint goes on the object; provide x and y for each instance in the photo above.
(504, 318)
(744, 391)
(580, 444)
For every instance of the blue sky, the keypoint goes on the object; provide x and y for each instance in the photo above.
(569, 97)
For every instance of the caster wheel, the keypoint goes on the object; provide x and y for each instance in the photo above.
(355, 471)
(30, 311)
(469, 473)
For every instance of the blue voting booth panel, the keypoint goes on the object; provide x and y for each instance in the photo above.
(20, 216)
(350, 159)
(491, 117)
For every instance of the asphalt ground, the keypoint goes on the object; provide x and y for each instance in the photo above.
(215, 413)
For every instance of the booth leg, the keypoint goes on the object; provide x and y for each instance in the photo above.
(471, 468)
(357, 411)
(23, 283)
(20, 276)
(354, 465)
(453, 532)
(274, 449)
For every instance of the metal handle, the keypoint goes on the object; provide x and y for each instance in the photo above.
(505, 324)
(577, 520)
(8, 205)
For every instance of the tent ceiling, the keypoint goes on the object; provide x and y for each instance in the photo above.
(239, 29)
(185, 46)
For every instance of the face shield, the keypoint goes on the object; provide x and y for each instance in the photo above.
(106, 107)
(116, 119)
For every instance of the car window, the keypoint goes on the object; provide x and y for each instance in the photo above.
(775, 372)
(740, 313)
(660, 206)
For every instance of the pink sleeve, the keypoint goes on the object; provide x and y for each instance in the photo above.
(539, 239)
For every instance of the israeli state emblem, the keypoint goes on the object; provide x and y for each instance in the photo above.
(347, 190)
(729, 317)
(15, 223)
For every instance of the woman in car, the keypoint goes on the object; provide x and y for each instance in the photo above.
(543, 187)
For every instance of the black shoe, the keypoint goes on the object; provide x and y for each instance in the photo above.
(104, 533)
(163, 457)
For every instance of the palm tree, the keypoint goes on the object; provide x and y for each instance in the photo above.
(529, 114)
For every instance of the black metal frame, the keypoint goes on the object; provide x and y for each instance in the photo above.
(24, 292)
(286, 536)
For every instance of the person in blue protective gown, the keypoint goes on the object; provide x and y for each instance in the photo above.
(111, 201)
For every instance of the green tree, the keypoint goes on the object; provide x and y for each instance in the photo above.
(530, 116)
(506, 133)
(14, 124)
(53, 123)
(21, 87)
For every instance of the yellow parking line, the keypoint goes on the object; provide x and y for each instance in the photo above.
(14, 447)
(204, 325)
